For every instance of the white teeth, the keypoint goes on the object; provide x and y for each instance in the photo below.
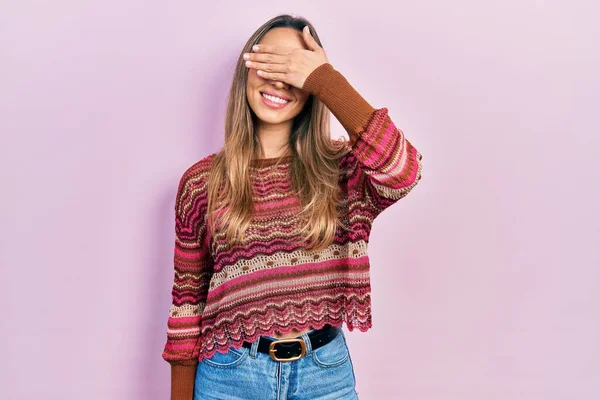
(274, 99)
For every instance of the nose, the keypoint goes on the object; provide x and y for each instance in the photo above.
(280, 85)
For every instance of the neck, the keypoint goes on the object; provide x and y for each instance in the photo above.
(274, 138)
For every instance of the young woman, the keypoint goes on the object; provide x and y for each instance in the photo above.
(272, 231)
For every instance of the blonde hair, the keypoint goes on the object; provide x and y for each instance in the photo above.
(314, 168)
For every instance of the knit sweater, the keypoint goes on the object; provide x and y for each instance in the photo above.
(225, 295)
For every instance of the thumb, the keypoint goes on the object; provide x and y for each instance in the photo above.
(309, 39)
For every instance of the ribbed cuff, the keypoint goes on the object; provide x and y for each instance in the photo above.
(348, 106)
(182, 381)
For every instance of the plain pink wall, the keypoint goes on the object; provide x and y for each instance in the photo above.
(485, 279)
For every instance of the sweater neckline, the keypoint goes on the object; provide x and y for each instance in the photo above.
(263, 162)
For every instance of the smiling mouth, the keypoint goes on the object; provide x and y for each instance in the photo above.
(273, 101)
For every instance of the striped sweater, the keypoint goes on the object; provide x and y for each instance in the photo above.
(225, 295)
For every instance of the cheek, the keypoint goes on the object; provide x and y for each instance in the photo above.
(302, 99)
(253, 80)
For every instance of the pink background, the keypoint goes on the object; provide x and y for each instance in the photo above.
(486, 279)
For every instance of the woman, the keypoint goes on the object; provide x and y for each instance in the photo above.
(272, 231)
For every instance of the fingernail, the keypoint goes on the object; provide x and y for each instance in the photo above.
(255, 47)
(246, 56)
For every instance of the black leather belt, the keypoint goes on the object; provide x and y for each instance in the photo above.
(290, 349)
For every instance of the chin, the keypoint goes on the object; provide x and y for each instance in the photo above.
(273, 116)
(273, 119)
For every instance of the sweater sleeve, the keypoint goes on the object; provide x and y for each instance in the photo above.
(192, 273)
(388, 166)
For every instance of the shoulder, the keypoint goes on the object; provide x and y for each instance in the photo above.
(347, 161)
(342, 147)
(196, 174)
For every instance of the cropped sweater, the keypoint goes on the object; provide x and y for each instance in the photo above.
(225, 295)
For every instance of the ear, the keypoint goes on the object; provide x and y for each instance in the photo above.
(310, 41)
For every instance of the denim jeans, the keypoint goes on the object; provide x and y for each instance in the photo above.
(326, 373)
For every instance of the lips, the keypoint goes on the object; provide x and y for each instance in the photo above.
(271, 102)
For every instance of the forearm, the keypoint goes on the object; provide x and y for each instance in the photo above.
(182, 380)
(340, 97)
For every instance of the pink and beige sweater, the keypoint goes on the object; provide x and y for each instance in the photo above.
(225, 295)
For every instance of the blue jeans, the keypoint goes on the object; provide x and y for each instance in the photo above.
(326, 373)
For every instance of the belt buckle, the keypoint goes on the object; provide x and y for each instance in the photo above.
(272, 349)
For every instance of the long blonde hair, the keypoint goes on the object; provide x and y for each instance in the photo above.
(314, 167)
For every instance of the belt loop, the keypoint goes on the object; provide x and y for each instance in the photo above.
(306, 339)
(254, 348)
